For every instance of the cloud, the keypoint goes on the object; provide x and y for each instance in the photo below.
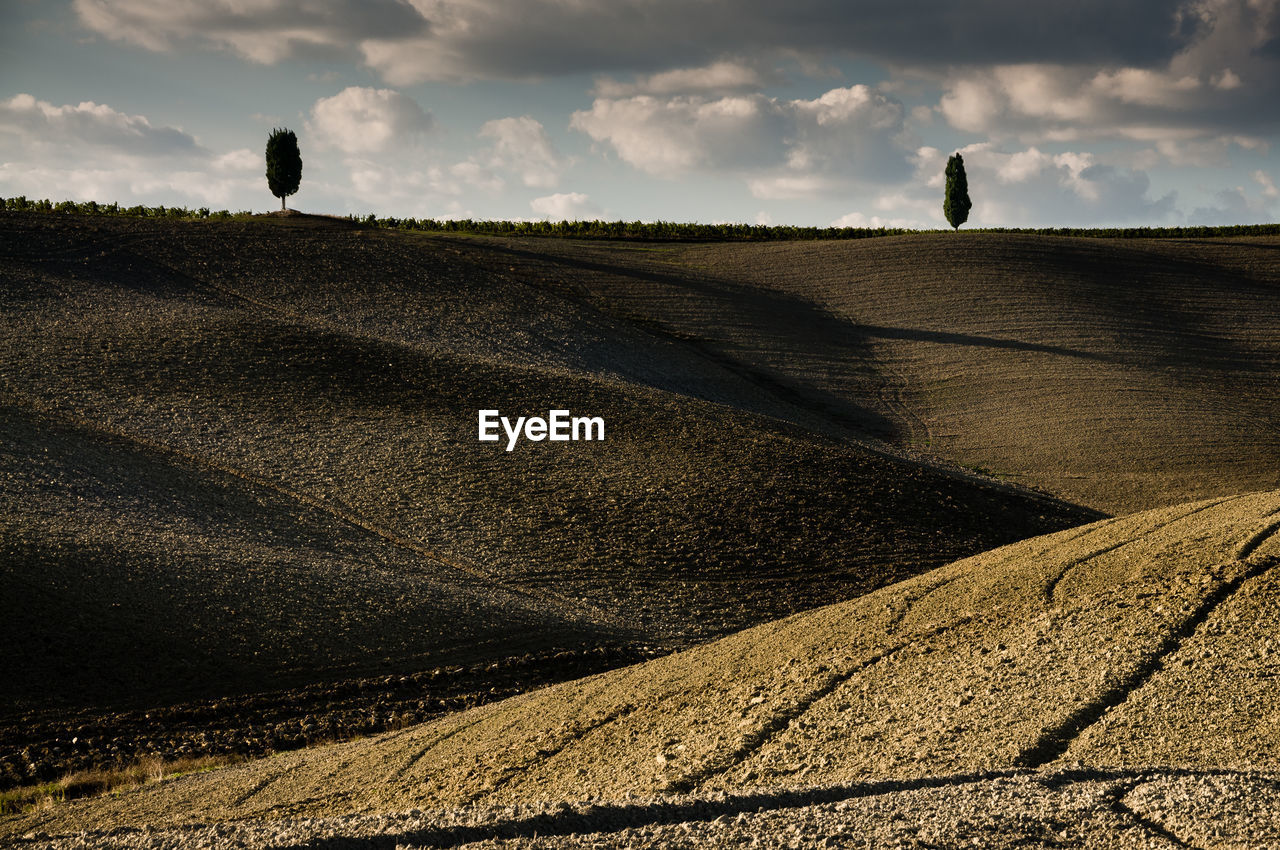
(720, 77)
(668, 137)
(1235, 206)
(90, 151)
(1025, 188)
(240, 161)
(784, 148)
(1219, 84)
(419, 40)
(1264, 180)
(521, 145)
(39, 123)
(571, 206)
(404, 188)
(858, 219)
(264, 31)
(359, 120)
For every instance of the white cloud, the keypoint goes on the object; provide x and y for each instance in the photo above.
(562, 206)
(1264, 180)
(673, 136)
(521, 145)
(858, 219)
(381, 186)
(1026, 188)
(360, 120)
(242, 161)
(1220, 84)
(722, 76)
(783, 148)
(90, 151)
(474, 174)
(88, 124)
(127, 183)
(789, 187)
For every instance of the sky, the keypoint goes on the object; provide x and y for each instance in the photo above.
(811, 112)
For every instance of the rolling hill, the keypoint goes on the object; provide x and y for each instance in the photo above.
(243, 508)
(241, 461)
(1108, 683)
(1111, 372)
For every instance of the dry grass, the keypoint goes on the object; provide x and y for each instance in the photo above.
(99, 781)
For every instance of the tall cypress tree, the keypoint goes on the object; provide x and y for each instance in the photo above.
(284, 164)
(956, 203)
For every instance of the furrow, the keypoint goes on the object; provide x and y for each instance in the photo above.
(1251, 545)
(262, 784)
(1051, 587)
(543, 754)
(428, 747)
(1054, 741)
(911, 601)
(780, 721)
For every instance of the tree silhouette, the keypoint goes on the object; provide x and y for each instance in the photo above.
(956, 203)
(284, 164)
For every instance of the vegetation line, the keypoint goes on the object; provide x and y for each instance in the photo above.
(656, 231)
(1055, 740)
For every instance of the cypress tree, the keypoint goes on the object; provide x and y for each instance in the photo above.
(284, 164)
(956, 203)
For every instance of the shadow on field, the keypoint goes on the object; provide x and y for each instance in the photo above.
(604, 818)
(945, 338)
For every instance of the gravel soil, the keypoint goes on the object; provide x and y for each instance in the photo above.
(1150, 810)
(1044, 655)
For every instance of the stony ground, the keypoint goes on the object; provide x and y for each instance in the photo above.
(1131, 647)
(1146, 810)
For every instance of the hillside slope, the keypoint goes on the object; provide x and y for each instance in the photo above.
(241, 458)
(1119, 374)
(1131, 662)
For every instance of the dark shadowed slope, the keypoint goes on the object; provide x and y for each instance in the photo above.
(1122, 374)
(1131, 661)
(244, 456)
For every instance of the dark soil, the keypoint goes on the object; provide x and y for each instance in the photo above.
(240, 458)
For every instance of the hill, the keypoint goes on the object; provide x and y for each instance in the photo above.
(1121, 374)
(243, 506)
(1111, 685)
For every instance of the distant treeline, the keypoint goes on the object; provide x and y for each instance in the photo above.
(655, 231)
(21, 204)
